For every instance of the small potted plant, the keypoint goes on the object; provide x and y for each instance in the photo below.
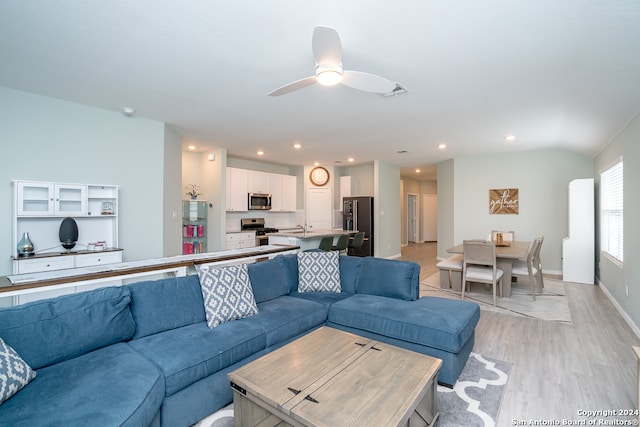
(194, 191)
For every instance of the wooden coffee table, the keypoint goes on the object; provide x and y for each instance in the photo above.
(333, 378)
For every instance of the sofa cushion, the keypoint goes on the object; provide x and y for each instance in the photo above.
(227, 293)
(324, 298)
(350, 267)
(15, 373)
(434, 322)
(289, 264)
(79, 322)
(287, 317)
(188, 354)
(389, 278)
(160, 305)
(318, 272)
(111, 386)
(267, 280)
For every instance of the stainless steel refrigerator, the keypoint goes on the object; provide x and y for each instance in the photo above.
(357, 214)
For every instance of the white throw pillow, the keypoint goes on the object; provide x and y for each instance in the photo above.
(15, 373)
(227, 293)
(319, 272)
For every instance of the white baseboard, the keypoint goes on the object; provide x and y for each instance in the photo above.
(394, 256)
(618, 307)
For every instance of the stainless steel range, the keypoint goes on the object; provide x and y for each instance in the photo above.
(257, 225)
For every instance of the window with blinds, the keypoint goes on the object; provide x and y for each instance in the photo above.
(611, 211)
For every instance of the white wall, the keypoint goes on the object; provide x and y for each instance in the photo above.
(612, 276)
(46, 139)
(386, 204)
(542, 178)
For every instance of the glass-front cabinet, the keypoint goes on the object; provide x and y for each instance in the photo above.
(194, 226)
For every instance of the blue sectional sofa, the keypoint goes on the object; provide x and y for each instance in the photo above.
(142, 354)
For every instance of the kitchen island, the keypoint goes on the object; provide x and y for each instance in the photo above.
(305, 240)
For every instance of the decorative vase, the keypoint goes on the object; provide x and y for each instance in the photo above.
(25, 246)
(194, 197)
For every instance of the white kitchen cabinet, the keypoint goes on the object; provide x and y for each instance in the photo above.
(237, 192)
(258, 182)
(240, 240)
(289, 193)
(283, 192)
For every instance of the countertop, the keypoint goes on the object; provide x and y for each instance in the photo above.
(316, 234)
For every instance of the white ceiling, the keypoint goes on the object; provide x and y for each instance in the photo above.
(554, 73)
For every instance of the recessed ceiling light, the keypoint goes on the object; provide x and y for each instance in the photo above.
(510, 138)
(350, 159)
(442, 146)
(128, 111)
(417, 170)
(316, 163)
(260, 153)
(191, 147)
(296, 145)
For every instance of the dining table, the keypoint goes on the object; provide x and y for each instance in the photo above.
(506, 255)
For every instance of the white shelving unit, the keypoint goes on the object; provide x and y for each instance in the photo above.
(40, 207)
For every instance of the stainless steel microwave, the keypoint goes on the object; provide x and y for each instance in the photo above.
(259, 201)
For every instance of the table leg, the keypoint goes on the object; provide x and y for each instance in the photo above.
(505, 266)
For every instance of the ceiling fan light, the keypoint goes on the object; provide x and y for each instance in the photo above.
(329, 77)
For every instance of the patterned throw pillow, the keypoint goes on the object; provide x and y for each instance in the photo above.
(14, 372)
(227, 293)
(319, 272)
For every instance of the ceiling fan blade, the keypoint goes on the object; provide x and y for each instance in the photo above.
(327, 49)
(367, 82)
(299, 84)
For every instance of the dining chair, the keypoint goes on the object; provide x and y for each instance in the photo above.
(529, 267)
(355, 245)
(326, 243)
(342, 243)
(479, 265)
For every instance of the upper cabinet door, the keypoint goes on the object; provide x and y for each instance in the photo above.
(35, 198)
(289, 193)
(258, 182)
(237, 193)
(70, 200)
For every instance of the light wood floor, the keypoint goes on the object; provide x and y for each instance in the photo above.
(557, 369)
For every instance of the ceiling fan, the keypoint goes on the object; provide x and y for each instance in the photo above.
(327, 51)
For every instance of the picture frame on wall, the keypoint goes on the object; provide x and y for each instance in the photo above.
(504, 201)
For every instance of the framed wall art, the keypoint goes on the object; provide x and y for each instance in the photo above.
(503, 201)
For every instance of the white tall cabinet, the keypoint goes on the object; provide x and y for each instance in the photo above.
(40, 207)
(578, 248)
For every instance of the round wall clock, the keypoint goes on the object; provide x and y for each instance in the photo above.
(319, 176)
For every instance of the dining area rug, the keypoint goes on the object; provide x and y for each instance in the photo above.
(552, 305)
(474, 401)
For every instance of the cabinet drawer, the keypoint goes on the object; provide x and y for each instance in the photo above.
(98, 259)
(232, 237)
(44, 264)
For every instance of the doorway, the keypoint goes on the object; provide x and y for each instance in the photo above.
(430, 217)
(319, 208)
(413, 226)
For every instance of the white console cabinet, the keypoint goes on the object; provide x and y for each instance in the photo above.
(40, 207)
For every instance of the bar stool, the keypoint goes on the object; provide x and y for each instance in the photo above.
(356, 244)
(326, 244)
(341, 244)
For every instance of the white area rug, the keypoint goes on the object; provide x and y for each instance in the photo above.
(552, 305)
(474, 401)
